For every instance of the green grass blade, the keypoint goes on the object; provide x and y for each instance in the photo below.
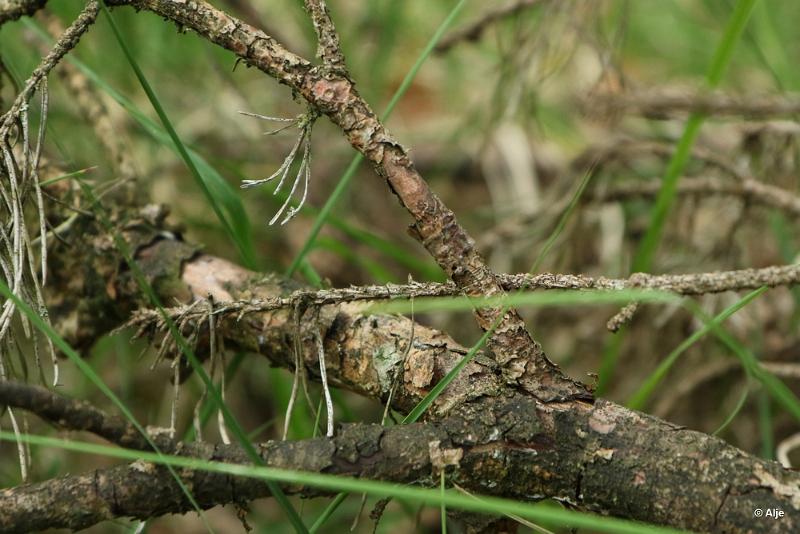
(666, 196)
(87, 370)
(562, 221)
(638, 400)
(328, 512)
(209, 408)
(187, 351)
(736, 409)
(212, 189)
(72, 174)
(489, 505)
(344, 181)
(553, 297)
(443, 506)
(643, 257)
(423, 405)
(782, 394)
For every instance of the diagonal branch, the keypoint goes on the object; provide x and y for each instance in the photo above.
(522, 360)
(474, 30)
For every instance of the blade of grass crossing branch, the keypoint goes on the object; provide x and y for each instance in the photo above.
(666, 196)
(518, 297)
(239, 235)
(187, 351)
(562, 221)
(550, 515)
(344, 181)
(90, 373)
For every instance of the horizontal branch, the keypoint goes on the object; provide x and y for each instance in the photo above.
(71, 413)
(14, 9)
(682, 284)
(745, 188)
(666, 105)
(599, 457)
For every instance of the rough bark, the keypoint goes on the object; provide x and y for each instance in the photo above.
(330, 90)
(14, 9)
(603, 457)
(599, 457)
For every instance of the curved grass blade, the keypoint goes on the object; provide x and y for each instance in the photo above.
(212, 189)
(639, 399)
(666, 196)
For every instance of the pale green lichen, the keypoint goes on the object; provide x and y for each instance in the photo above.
(386, 361)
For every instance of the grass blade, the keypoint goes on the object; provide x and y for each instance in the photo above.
(187, 351)
(488, 505)
(666, 196)
(212, 190)
(638, 400)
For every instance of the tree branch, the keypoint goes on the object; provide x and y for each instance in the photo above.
(601, 457)
(11, 10)
(71, 413)
(474, 30)
(328, 47)
(654, 104)
(436, 227)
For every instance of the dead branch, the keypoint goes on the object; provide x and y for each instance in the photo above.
(14, 9)
(65, 43)
(681, 284)
(661, 105)
(71, 413)
(745, 188)
(328, 49)
(600, 457)
(474, 30)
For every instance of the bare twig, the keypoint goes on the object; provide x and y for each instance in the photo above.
(328, 48)
(474, 30)
(669, 104)
(13, 9)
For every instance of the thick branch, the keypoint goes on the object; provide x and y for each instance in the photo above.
(334, 94)
(601, 457)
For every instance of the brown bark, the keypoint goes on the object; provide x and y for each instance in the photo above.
(602, 458)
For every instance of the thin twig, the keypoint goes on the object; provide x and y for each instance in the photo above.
(654, 104)
(474, 30)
